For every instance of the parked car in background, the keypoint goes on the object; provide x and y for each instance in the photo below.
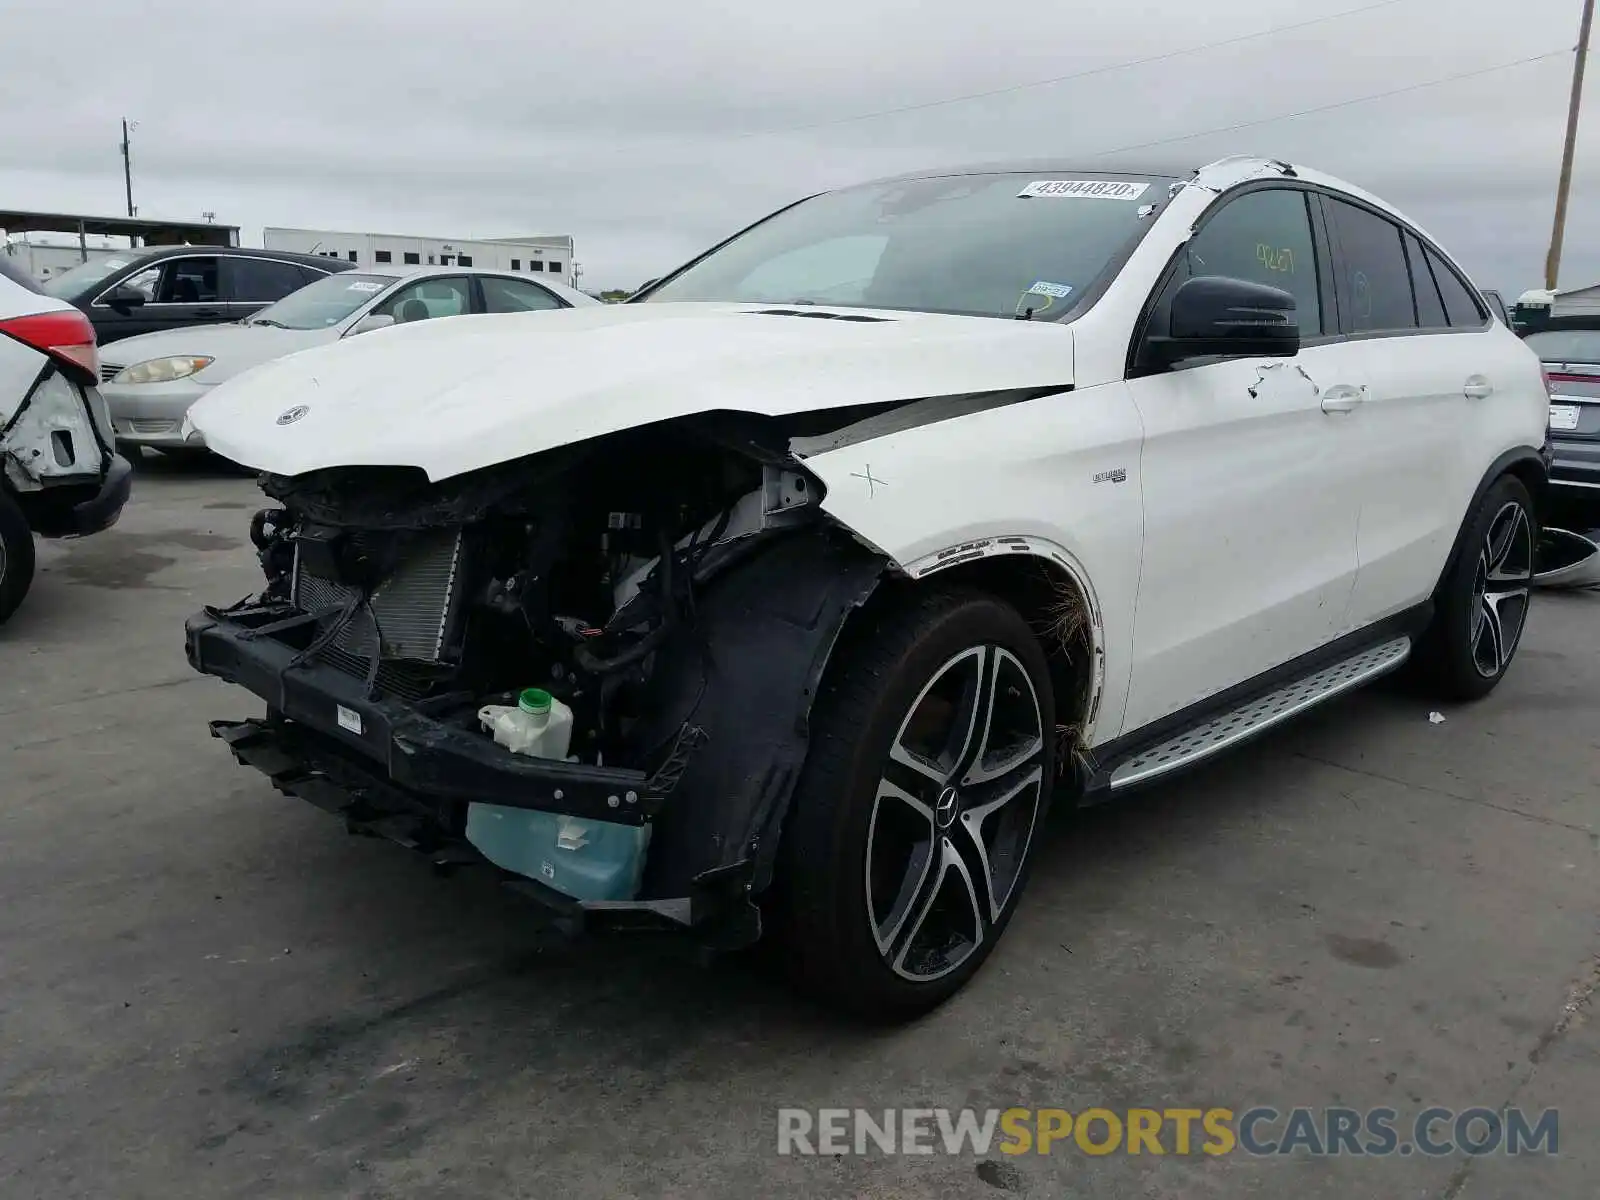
(59, 474)
(151, 380)
(1569, 349)
(851, 544)
(141, 291)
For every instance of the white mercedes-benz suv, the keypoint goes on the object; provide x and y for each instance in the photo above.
(853, 543)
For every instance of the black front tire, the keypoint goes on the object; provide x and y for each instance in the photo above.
(861, 928)
(1481, 607)
(16, 556)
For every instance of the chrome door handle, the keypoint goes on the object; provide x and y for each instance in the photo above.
(1342, 397)
(1476, 387)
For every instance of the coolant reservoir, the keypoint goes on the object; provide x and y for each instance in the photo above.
(539, 725)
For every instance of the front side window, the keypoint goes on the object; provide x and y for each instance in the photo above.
(996, 244)
(144, 282)
(429, 298)
(1264, 237)
(514, 295)
(1375, 284)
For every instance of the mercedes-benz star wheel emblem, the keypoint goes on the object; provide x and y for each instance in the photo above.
(293, 415)
(944, 812)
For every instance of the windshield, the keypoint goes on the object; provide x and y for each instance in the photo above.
(993, 245)
(85, 275)
(326, 302)
(1566, 345)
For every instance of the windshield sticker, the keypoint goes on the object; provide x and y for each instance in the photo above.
(1082, 189)
(363, 285)
(1042, 288)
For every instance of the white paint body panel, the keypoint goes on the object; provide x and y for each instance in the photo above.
(452, 396)
(1251, 505)
(1428, 446)
(19, 364)
(28, 459)
(1036, 478)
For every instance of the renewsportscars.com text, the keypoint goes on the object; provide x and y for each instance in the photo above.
(1260, 1130)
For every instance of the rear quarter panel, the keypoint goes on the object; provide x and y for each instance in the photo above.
(1515, 415)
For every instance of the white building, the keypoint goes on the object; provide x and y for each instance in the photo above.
(539, 255)
(44, 255)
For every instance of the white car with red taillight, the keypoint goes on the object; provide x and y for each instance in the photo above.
(59, 473)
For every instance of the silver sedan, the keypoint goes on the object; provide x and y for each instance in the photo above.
(150, 381)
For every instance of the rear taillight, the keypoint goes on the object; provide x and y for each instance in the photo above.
(1549, 387)
(1552, 378)
(66, 336)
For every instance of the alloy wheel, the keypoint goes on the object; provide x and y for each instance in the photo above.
(954, 813)
(1501, 588)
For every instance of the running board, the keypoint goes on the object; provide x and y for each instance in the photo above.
(1253, 716)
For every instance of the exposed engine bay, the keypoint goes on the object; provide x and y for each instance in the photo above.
(569, 573)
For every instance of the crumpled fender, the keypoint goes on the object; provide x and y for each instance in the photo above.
(745, 672)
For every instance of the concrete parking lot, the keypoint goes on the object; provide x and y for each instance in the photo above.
(208, 989)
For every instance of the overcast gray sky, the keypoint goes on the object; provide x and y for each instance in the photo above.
(647, 129)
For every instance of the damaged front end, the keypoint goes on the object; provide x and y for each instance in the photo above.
(676, 586)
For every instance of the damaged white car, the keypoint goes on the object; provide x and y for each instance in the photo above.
(783, 600)
(59, 473)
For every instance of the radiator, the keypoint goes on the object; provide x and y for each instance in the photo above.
(408, 614)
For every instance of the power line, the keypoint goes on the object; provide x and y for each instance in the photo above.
(1165, 56)
(1322, 108)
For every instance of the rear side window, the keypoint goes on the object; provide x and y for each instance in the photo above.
(514, 295)
(1430, 307)
(263, 278)
(1265, 237)
(1459, 303)
(1375, 285)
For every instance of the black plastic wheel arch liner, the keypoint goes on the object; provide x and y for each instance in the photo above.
(1534, 461)
(745, 672)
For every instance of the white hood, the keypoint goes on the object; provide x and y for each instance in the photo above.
(453, 396)
(235, 347)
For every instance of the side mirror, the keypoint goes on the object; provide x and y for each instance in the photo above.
(370, 322)
(122, 297)
(1217, 316)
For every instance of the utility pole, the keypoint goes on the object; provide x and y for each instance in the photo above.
(1552, 262)
(127, 165)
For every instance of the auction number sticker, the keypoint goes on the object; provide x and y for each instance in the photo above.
(366, 285)
(1083, 189)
